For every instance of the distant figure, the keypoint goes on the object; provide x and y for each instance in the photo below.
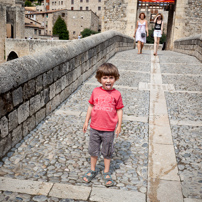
(79, 37)
(158, 30)
(140, 32)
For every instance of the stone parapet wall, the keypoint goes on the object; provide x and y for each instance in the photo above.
(190, 45)
(23, 47)
(31, 87)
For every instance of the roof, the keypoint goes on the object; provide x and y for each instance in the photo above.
(44, 12)
(30, 8)
(33, 26)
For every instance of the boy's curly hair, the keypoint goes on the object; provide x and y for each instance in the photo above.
(107, 69)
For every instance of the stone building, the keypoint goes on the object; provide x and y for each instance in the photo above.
(76, 20)
(11, 22)
(95, 5)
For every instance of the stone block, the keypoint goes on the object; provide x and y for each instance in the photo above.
(63, 82)
(16, 135)
(29, 125)
(35, 104)
(70, 191)
(69, 78)
(64, 68)
(45, 97)
(5, 145)
(52, 91)
(113, 195)
(40, 115)
(71, 64)
(29, 89)
(25, 186)
(39, 83)
(2, 107)
(58, 86)
(47, 78)
(23, 112)
(17, 96)
(56, 73)
(3, 127)
(13, 120)
(65, 94)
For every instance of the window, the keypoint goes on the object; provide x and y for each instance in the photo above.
(74, 32)
(63, 15)
(87, 1)
(87, 8)
(81, 17)
(99, 8)
(72, 8)
(99, 0)
(81, 8)
(61, 2)
(39, 32)
(52, 3)
(35, 31)
(72, 1)
(55, 2)
(81, 1)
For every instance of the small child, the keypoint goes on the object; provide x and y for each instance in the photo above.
(105, 111)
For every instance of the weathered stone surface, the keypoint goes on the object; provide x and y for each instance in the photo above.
(35, 104)
(40, 115)
(192, 200)
(17, 96)
(25, 186)
(5, 144)
(23, 112)
(70, 191)
(52, 91)
(163, 190)
(45, 97)
(39, 83)
(16, 135)
(29, 89)
(47, 78)
(29, 125)
(112, 195)
(13, 120)
(3, 127)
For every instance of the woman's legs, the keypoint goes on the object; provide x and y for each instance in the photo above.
(142, 45)
(139, 46)
(155, 45)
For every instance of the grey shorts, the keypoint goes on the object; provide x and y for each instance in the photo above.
(97, 138)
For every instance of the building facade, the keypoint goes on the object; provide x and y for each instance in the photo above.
(76, 20)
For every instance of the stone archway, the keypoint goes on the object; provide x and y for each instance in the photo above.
(12, 55)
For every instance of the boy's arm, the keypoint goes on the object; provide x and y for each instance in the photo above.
(120, 115)
(85, 125)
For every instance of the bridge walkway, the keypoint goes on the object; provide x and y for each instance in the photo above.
(157, 155)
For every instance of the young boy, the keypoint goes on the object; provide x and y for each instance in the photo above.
(105, 111)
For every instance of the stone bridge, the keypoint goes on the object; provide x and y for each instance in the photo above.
(43, 103)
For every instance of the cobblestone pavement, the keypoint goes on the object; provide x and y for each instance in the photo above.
(57, 150)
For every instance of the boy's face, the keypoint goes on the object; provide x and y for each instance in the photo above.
(107, 82)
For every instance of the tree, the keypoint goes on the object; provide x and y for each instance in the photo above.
(87, 32)
(28, 3)
(60, 29)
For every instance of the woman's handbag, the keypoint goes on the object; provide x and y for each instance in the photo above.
(143, 34)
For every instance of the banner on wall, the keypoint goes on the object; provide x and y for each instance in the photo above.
(159, 1)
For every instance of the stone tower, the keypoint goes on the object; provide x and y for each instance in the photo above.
(120, 15)
(12, 13)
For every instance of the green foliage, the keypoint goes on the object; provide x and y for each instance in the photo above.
(28, 3)
(150, 38)
(87, 32)
(60, 29)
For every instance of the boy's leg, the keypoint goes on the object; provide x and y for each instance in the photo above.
(93, 160)
(107, 166)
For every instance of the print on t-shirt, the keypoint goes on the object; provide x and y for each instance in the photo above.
(104, 103)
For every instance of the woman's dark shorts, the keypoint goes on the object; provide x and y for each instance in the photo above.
(97, 138)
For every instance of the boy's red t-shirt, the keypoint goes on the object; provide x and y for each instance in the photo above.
(106, 102)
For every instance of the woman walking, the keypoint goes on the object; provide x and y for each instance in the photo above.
(140, 32)
(158, 30)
